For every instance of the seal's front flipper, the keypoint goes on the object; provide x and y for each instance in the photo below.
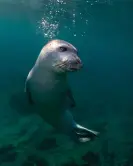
(27, 91)
(83, 134)
(72, 102)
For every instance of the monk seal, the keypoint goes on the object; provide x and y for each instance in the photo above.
(47, 88)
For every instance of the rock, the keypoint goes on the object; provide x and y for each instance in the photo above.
(71, 163)
(47, 144)
(35, 161)
(26, 163)
(92, 159)
(10, 157)
(7, 153)
(6, 149)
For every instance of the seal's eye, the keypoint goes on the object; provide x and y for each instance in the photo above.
(63, 49)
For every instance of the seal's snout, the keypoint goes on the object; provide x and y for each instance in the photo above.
(75, 64)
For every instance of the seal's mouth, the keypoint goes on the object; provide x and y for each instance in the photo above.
(70, 65)
(75, 65)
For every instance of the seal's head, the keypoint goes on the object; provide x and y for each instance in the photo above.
(60, 56)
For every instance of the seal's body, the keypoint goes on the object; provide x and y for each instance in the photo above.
(48, 90)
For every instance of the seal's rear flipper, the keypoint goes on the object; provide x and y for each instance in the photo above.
(83, 134)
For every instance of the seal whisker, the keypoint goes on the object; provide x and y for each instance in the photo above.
(62, 65)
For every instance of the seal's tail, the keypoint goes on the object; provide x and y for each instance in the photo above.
(83, 134)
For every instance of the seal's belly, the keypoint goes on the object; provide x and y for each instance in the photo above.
(49, 96)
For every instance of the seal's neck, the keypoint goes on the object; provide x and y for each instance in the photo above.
(44, 75)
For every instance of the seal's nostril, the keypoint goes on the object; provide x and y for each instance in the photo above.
(78, 61)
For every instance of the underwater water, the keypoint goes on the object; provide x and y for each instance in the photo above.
(102, 31)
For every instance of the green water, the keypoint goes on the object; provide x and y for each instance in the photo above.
(102, 32)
